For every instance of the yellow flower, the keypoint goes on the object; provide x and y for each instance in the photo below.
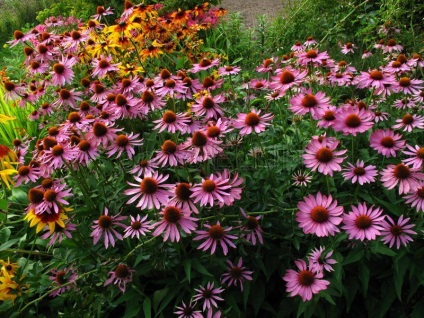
(45, 218)
(9, 267)
(9, 289)
(130, 69)
(4, 118)
(7, 160)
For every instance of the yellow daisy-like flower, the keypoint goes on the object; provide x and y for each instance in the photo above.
(45, 218)
(151, 51)
(9, 289)
(130, 69)
(4, 118)
(103, 48)
(7, 160)
(9, 267)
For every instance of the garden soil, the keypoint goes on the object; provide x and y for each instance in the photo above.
(251, 9)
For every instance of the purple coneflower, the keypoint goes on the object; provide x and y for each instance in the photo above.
(86, 151)
(201, 148)
(229, 70)
(408, 122)
(124, 143)
(171, 217)
(252, 122)
(319, 215)
(170, 154)
(102, 66)
(363, 222)
(208, 106)
(120, 276)
(301, 178)
(144, 167)
(416, 198)
(397, 233)
(352, 120)
(62, 73)
(57, 155)
(348, 48)
(286, 79)
(374, 79)
(172, 122)
(182, 197)
(416, 158)
(307, 102)
(392, 46)
(215, 234)
(236, 274)
(208, 295)
(408, 178)
(304, 282)
(312, 56)
(102, 134)
(210, 190)
(138, 226)
(410, 86)
(27, 174)
(359, 173)
(204, 64)
(188, 311)
(386, 142)
(320, 261)
(251, 230)
(59, 232)
(105, 225)
(61, 277)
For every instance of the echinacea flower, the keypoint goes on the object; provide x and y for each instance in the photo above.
(151, 190)
(363, 222)
(410, 86)
(229, 70)
(307, 102)
(301, 178)
(251, 230)
(170, 154)
(312, 57)
(173, 216)
(359, 173)
(201, 148)
(138, 226)
(319, 261)
(408, 178)
(397, 233)
(59, 232)
(215, 235)
(386, 142)
(408, 122)
(375, 79)
(348, 48)
(144, 167)
(322, 157)
(416, 198)
(171, 122)
(210, 190)
(105, 225)
(236, 274)
(204, 64)
(287, 78)
(208, 295)
(188, 311)
(120, 276)
(60, 277)
(304, 282)
(124, 143)
(62, 72)
(208, 106)
(319, 215)
(103, 65)
(392, 46)
(352, 120)
(252, 122)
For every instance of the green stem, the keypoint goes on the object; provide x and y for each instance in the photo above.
(138, 246)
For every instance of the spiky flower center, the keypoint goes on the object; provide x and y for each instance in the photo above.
(252, 119)
(252, 223)
(23, 171)
(9, 86)
(359, 171)
(309, 101)
(286, 77)
(169, 147)
(170, 83)
(216, 232)
(58, 68)
(60, 277)
(391, 42)
(329, 115)
(50, 195)
(172, 214)
(268, 62)
(165, 74)
(120, 100)
(183, 191)
(420, 192)
(35, 196)
(353, 121)
(311, 54)
(319, 214)
(147, 97)
(143, 163)
(18, 34)
(84, 145)
(306, 278)
(205, 62)
(99, 129)
(122, 141)
(324, 155)
(208, 82)
(148, 185)
(208, 186)
(98, 88)
(105, 221)
(376, 75)
(57, 150)
(136, 225)
(363, 222)
(122, 271)
(236, 272)
(47, 183)
(199, 139)
(103, 63)
(229, 68)
(407, 119)
(420, 153)
(402, 171)
(396, 230)
(169, 117)
(75, 35)
(213, 131)
(74, 117)
(387, 142)
(208, 103)
(84, 106)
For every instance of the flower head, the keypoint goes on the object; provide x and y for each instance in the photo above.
(61, 277)
(408, 178)
(208, 295)
(252, 122)
(363, 222)
(120, 276)
(397, 233)
(214, 235)
(139, 226)
(236, 274)
(319, 261)
(359, 173)
(386, 142)
(173, 216)
(105, 225)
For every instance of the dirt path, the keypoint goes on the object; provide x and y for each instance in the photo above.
(251, 9)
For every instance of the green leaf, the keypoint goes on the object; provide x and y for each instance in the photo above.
(157, 298)
(364, 277)
(353, 256)
(200, 268)
(187, 269)
(380, 248)
(147, 308)
(418, 310)
(3, 204)
(401, 266)
(4, 235)
(132, 308)
(257, 296)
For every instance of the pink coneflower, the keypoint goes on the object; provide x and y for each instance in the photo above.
(229, 70)
(297, 47)
(182, 197)
(417, 156)
(352, 120)
(408, 122)
(319, 215)
(380, 116)
(100, 94)
(214, 235)
(210, 190)
(287, 78)
(36, 67)
(312, 56)
(120, 276)
(151, 190)
(258, 84)
(101, 12)
(170, 154)
(386, 142)
(310, 41)
(188, 311)
(172, 122)
(416, 198)
(172, 87)
(125, 107)
(375, 79)
(62, 73)
(208, 295)
(320, 261)
(416, 61)
(124, 143)
(307, 102)
(208, 106)
(204, 64)
(53, 199)
(74, 40)
(405, 103)
(396, 67)
(236, 274)
(201, 148)
(234, 192)
(102, 66)
(101, 134)
(326, 116)
(57, 155)
(86, 152)
(252, 122)
(409, 86)
(144, 167)
(359, 173)
(366, 54)
(397, 233)
(27, 174)
(138, 226)
(251, 230)
(348, 48)
(322, 157)
(363, 222)
(301, 178)
(171, 217)
(392, 46)
(12, 91)
(67, 98)
(59, 233)
(61, 277)
(304, 282)
(407, 178)
(267, 65)
(105, 225)
(219, 128)
(340, 79)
